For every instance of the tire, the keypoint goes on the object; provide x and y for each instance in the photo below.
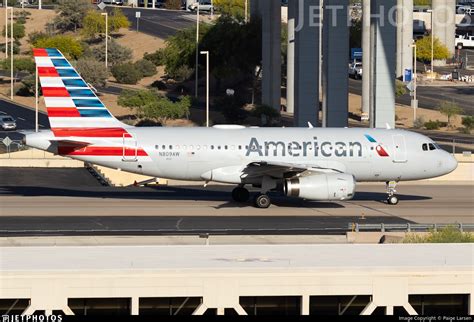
(262, 201)
(240, 194)
(392, 200)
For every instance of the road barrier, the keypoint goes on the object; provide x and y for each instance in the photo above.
(408, 227)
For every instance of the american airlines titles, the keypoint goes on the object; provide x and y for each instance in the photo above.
(303, 149)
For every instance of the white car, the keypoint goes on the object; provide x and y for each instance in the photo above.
(464, 41)
(204, 5)
(355, 70)
(7, 122)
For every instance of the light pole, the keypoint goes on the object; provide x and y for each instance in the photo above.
(11, 53)
(36, 99)
(414, 101)
(207, 86)
(432, 41)
(197, 52)
(106, 38)
(6, 29)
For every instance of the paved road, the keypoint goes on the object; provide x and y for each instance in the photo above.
(59, 201)
(159, 23)
(430, 96)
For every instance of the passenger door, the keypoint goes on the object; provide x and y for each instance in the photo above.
(399, 149)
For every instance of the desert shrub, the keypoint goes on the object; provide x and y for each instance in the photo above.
(126, 73)
(93, 71)
(432, 125)
(448, 234)
(182, 73)
(146, 67)
(156, 57)
(468, 122)
(419, 122)
(117, 54)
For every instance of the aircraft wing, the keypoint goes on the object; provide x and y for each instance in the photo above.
(285, 169)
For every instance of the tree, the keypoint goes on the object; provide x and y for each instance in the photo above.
(18, 31)
(71, 14)
(94, 22)
(233, 8)
(19, 64)
(93, 71)
(150, 104)
(117, 53)
(423, 49)
(126, 73)
(181, 48)
(68, 45)
(450, 109)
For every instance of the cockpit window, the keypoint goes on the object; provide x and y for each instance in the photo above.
(425, 147)
(432, 147)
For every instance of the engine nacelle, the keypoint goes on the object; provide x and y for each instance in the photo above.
(322, 187)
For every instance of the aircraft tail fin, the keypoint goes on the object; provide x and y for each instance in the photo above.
(74, 110)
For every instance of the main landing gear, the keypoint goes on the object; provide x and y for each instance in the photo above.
(392, 199)
(240, 194)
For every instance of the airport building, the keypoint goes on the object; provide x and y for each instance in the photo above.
(401, 279)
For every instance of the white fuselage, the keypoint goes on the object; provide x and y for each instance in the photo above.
(222, 154)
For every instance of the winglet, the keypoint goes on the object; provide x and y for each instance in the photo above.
(310, 125)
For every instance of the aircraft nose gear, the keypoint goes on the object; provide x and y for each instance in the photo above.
(392, 198)
(240, 194)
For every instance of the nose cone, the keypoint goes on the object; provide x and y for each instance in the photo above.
(451, 164)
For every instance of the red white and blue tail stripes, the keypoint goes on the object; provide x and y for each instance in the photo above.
(74, 110)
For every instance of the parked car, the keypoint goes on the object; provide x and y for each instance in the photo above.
(204, 5)
(114, 2)
(7, 122)
(464, 41)
(355, 70)
(158, 3)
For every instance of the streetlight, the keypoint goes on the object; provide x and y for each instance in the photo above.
(106, 38)
(207, 86)
(6, 28)
(36, 99)
(11, 52)
(197, 51)
(432, 41)
(414, 101)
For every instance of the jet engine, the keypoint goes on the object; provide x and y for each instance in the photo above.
(321, 187)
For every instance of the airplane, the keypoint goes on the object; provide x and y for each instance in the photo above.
(316, 164)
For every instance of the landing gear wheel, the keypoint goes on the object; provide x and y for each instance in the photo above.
(240, 194)
(262, 201)
(392, 200)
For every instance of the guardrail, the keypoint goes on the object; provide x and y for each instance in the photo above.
(408, 227)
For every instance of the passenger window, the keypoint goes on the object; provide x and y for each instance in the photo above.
(157, 147)
(212, 147)
(171, 147)
(432, 147)
(425, 147)
(164, 147)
